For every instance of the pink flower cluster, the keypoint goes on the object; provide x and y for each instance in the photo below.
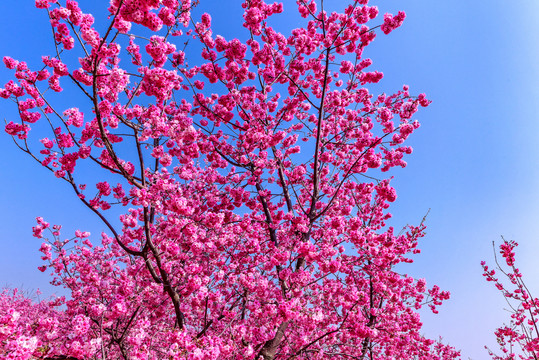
(140, 12)
(392, 22)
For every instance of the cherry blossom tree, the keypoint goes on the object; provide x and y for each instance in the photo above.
(249, 226)
(520, 338)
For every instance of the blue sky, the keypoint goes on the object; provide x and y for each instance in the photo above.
(475, 161)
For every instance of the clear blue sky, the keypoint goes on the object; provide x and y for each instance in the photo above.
(475, 161)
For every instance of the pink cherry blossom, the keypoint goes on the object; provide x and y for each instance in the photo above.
(235, 168)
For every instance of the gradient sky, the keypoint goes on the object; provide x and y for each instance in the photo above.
(475, 161)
